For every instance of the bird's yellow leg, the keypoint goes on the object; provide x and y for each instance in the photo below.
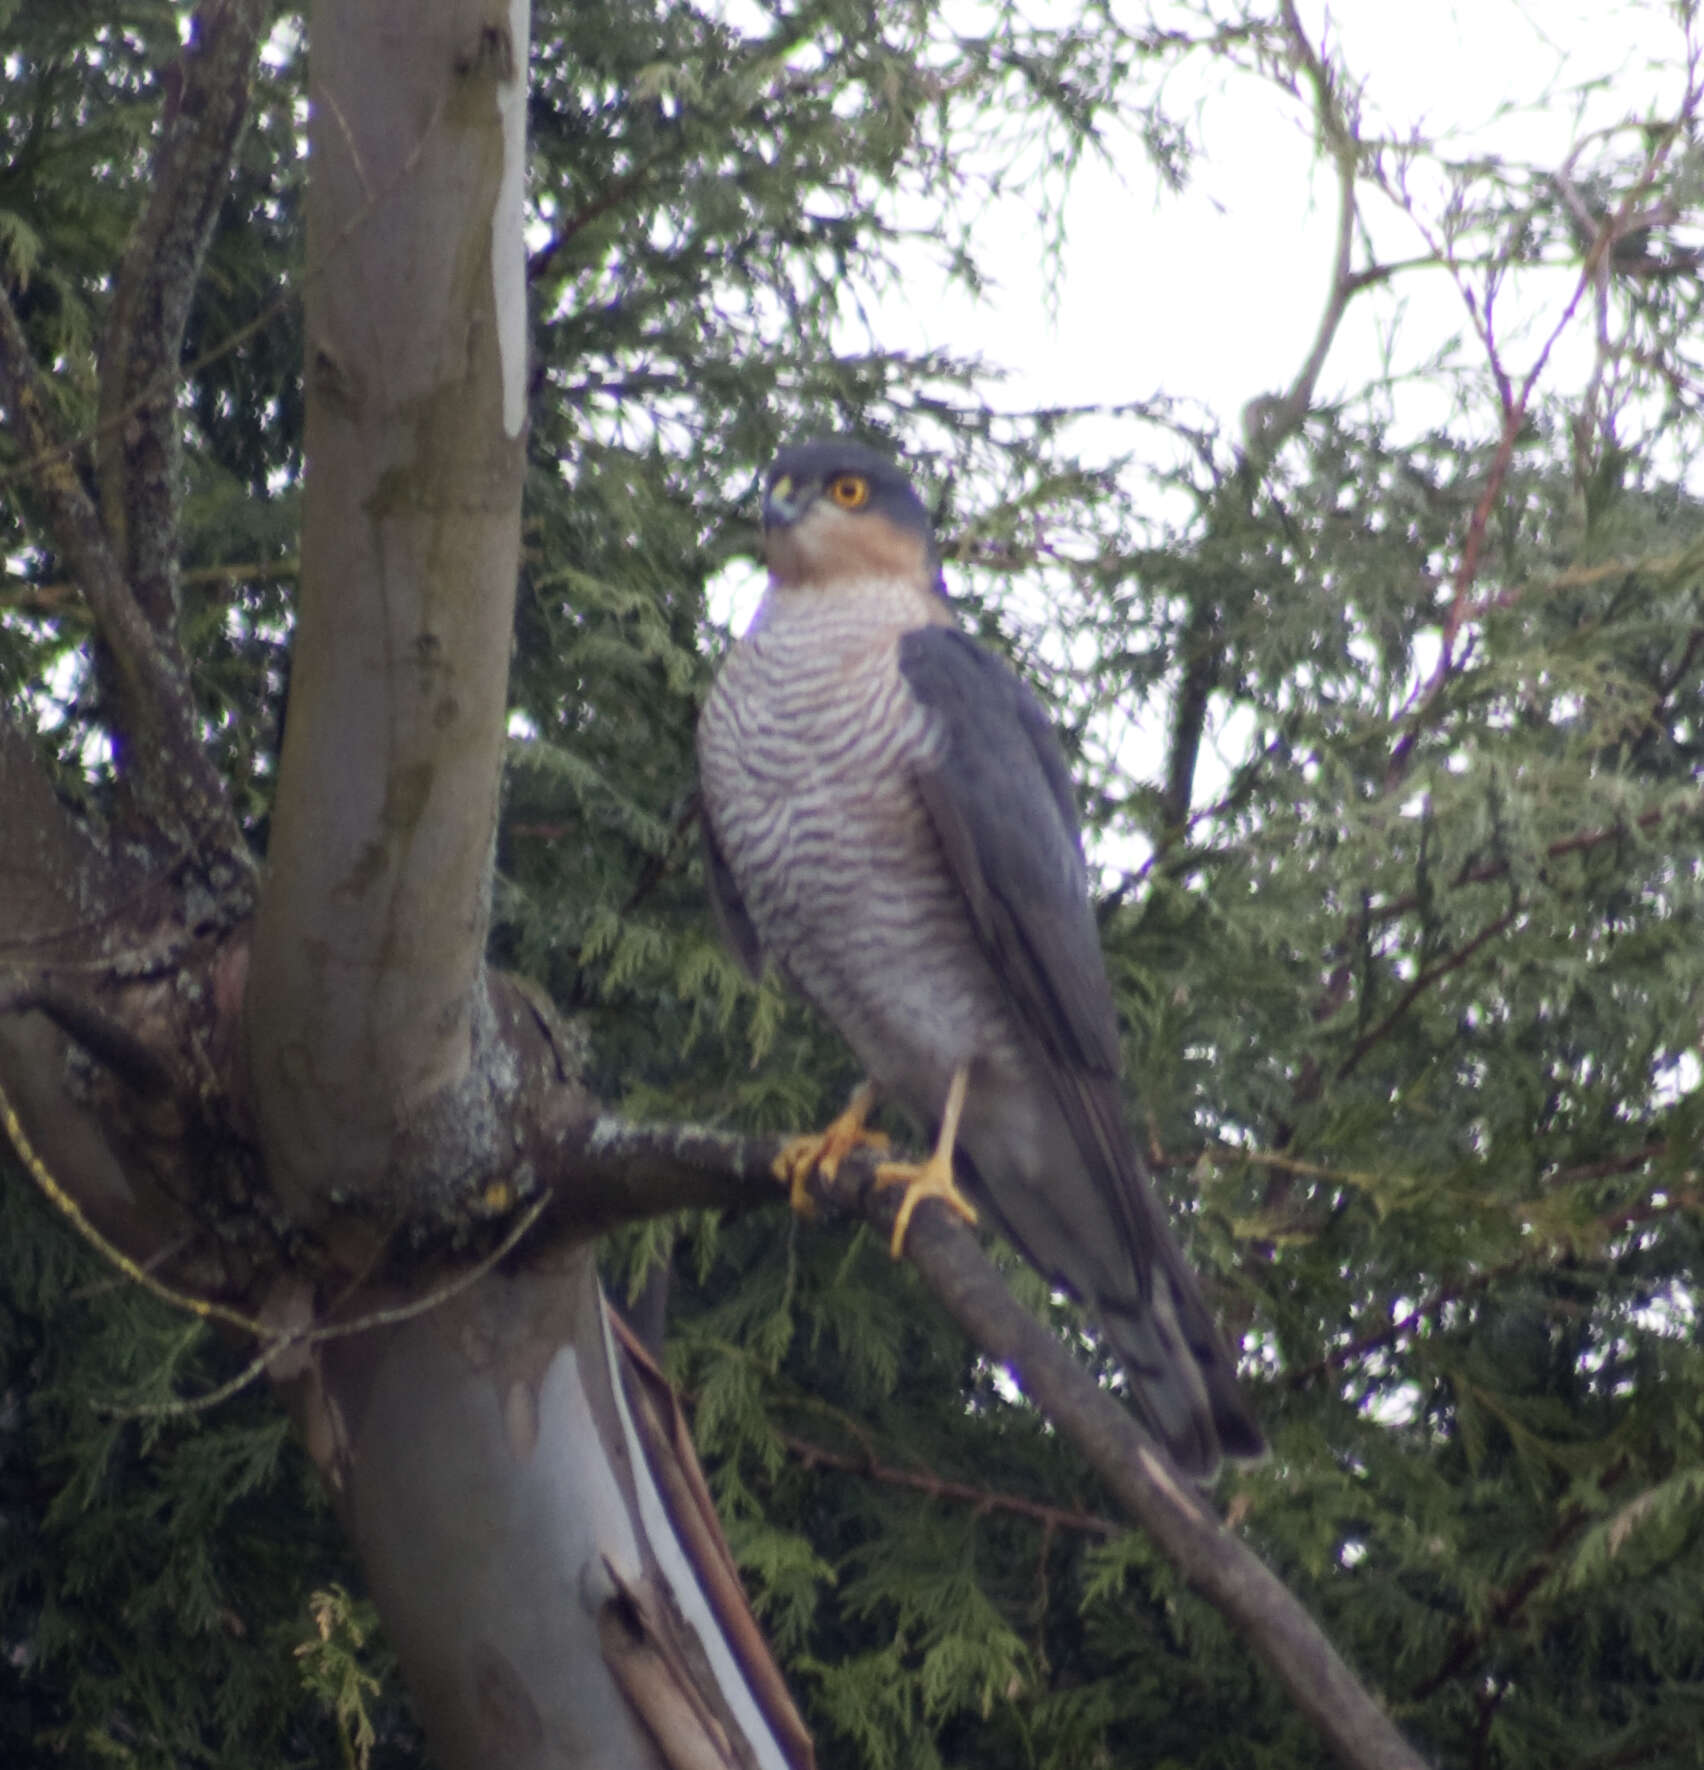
(824, 1152)
(932, 1178)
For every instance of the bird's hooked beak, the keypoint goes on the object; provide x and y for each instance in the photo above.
(786, 501)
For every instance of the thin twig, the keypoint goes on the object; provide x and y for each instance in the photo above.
(1581, 842)
(926, 1481)
(291, 1338)
(1421, 984)
(1514, 403)
(1613, 1223)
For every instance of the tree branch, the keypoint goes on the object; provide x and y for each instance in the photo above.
(1424, 982)
(111, 1042)
(938, 1487)
(1470, 1640)
(607, 1170)
(1269, 419)
(139, 460)
(676, 1167)
(1228, 1574)
(178, 787)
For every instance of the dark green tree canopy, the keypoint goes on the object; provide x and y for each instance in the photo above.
(1402, 902)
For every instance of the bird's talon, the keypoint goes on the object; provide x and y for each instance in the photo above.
(930, 1179)
(823, 1152)
(792, 1167)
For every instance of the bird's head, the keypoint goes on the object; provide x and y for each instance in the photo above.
(836, 512)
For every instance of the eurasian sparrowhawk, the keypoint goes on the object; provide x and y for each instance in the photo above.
(889, 818)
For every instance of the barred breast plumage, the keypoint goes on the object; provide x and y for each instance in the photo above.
(806, 748)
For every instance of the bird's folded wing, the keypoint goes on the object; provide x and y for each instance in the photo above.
(999, 796)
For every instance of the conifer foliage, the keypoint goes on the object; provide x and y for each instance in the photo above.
(1402, 881)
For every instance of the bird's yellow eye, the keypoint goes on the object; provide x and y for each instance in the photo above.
(851, 491)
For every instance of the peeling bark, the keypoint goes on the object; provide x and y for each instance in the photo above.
(489, 1466)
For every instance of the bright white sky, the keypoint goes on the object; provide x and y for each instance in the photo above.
(1213, 295)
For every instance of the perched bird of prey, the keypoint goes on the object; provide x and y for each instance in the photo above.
(888, 817)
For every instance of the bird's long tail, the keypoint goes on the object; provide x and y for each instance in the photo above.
(1183, 1380)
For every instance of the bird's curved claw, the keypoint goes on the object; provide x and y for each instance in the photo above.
(825, 1150)
(926, 1179)
(933, 1178)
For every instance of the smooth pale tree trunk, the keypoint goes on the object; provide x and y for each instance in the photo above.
(548, 1607)
(365, 989)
